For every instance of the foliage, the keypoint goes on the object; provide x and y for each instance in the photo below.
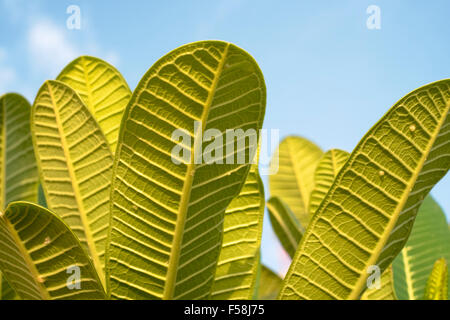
(129, 218)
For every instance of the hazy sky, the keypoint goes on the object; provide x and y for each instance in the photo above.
(329, 78)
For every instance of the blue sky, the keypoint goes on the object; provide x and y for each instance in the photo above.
(329, 77)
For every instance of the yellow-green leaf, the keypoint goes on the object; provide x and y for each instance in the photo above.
(437, 284)
(18, 170)
(167, 215)
(386, 290)
(366, 217)
(269, 284)
(6, 292)
(239, 257)
(429, 240)
(285, 224)
(75, 165)
(103, 89)
(326, 171)
(294, 181)
(39, 254)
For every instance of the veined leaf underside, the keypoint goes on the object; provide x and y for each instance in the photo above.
(167, 218)
(367, 216)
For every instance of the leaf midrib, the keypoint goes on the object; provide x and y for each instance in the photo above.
(89, 102)
(89, 239)
(172, 269)
(391, 224)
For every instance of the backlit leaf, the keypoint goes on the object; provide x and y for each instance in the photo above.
(429, 240)
(326, 171)
(75, 165)
(38, 252)
(18, 170)
(285, 225)
(366, 217)
(167, 213)
(385, 292)
(437, 284)
(294, 181)
(103, 89)
(239, 257)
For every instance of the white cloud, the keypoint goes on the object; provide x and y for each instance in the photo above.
(49, 48)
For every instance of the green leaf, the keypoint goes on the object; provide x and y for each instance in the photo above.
(41, 197)
(269, 285)
(437, 284)
(429, 240)
(285, 225)
(6, 292)
(18, 171)
(239, 257)
(326, 171)
(75, 165)
(37, 255)
(386, 291)
(103, 89)
(366, 217)
(294, 181)
(167, 217)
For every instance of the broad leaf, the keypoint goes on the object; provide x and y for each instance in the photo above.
(326, 171)
(429, 241)
(285, 225)
(269, 284)
(18, 170)
(294, 181)
(366, 217)
(75, 165)
(437, 284)
(103, 89)
(239, 257)
(39, 256)
(168, 211)
(386, 290)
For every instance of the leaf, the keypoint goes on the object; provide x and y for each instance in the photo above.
(294, 181)
(270, 284)
(285, 225)
(6, 292)
(18, 171)
(366, 217)
(41, 197)
(437, 284)
(326, 171)
(167, 217)
(385, 292)
(75, 165)
(428, 241)
(103, 89)
(38, 252)
(239, 257)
